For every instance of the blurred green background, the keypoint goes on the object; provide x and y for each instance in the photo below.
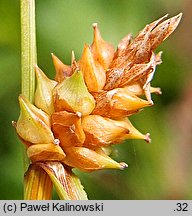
(160, 170)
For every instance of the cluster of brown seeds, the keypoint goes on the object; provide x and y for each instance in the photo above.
(79, 115)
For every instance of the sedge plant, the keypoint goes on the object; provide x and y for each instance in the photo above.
(72, 121)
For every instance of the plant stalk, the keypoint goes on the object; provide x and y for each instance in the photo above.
(28, 48)
(28, 55)
(34, 186)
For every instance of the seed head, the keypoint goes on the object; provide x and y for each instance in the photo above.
(77, 117)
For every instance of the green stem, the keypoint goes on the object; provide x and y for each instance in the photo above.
(28, 48)
(37, 184)
(28, 55)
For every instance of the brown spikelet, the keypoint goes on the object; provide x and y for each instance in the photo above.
(102, 131)
(163, 30)
(89, 160)
(67, 128)
(62, 70)
(139, 51)
(93, 72)
(118, 103)
(103, 52)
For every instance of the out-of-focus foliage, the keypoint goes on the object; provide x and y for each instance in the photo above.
(160, 170)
